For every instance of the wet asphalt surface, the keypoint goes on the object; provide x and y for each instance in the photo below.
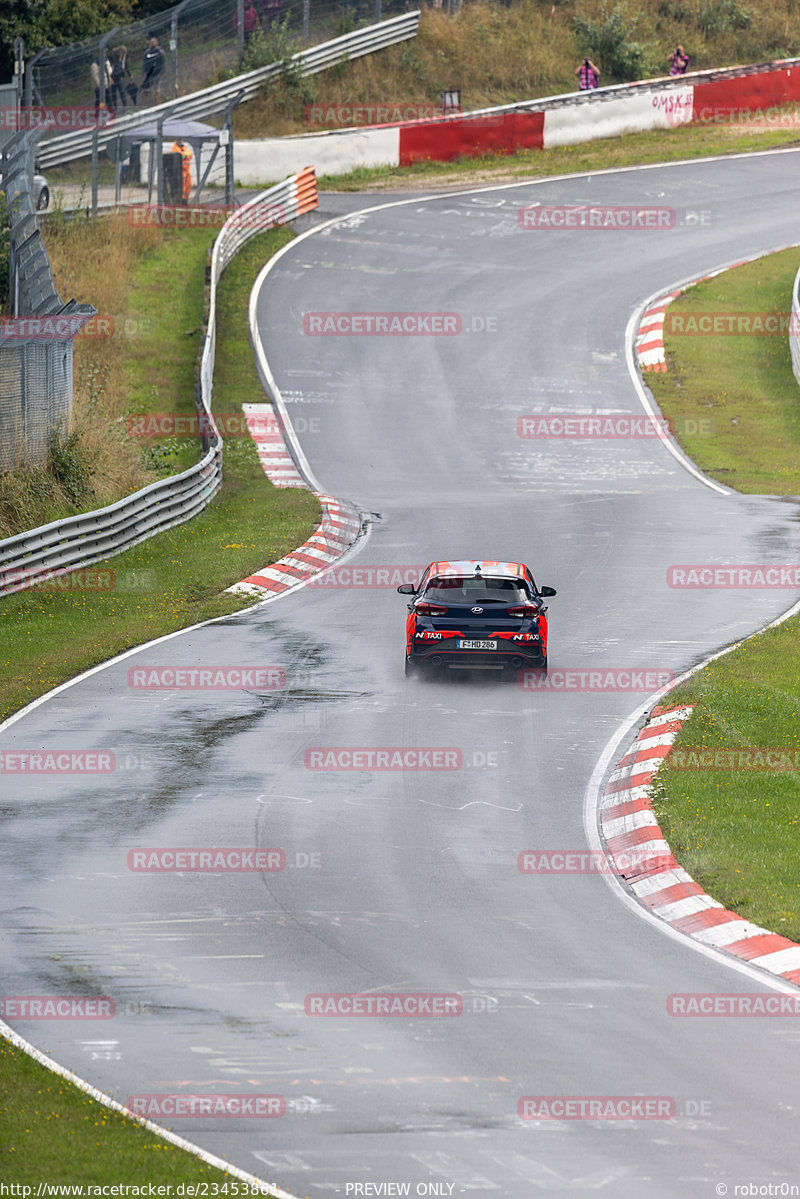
(404, 880)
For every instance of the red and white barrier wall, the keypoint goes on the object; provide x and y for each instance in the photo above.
(711, 97)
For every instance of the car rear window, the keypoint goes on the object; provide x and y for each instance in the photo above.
(465, 589)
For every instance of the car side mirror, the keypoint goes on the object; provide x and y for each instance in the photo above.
(547, 591)
(407, 589)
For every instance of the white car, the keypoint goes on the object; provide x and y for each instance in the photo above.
(41, 192)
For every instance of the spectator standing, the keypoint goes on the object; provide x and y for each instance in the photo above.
(154, 63)
(118, 61)
(588, 76)
(250, 21)
(679, 61)
(109, 83)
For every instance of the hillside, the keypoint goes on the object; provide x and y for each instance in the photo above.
(499, 54)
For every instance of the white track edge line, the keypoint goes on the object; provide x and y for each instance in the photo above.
(163, 1133)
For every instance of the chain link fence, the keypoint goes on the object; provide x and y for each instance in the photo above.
(36, 338)
(200, 41)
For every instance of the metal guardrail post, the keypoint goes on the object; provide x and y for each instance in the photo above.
(95, 169)
(173, 40)
(229, 180)
(240, 27)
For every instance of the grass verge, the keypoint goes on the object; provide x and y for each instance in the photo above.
(736, 830)
(733, 397)
(683, 143)
(54, 1132)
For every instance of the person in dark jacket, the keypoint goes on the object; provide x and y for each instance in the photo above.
(154, 63)
(118, 61)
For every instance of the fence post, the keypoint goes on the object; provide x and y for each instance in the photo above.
(377, 10)
(29, 76)
(306, 20)
(240, 27)
(19, 66)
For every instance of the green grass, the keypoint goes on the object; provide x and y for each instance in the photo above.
(736, 390)
(737, 832)
(664, 145)
(54, 1132)
(175, 579)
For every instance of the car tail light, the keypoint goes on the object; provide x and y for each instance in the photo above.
(522, 611)
(430, 609)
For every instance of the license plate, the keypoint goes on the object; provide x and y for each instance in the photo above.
(477, 645)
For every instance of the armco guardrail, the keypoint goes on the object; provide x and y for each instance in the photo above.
(215, 99)
(794, 328)
(78, 541)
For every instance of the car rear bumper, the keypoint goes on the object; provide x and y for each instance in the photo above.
(516, 656)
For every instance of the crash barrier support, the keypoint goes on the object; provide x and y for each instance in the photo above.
(78, 541)
(213, 100)
(36, 343)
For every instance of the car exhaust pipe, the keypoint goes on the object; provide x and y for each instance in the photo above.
(517, 662)
(436, 660)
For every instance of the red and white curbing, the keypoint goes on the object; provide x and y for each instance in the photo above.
(339, 528)
(649, 344)
(638, 851)
(650, 338)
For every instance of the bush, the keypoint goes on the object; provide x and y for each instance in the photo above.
(720, 16)
(607, 42)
